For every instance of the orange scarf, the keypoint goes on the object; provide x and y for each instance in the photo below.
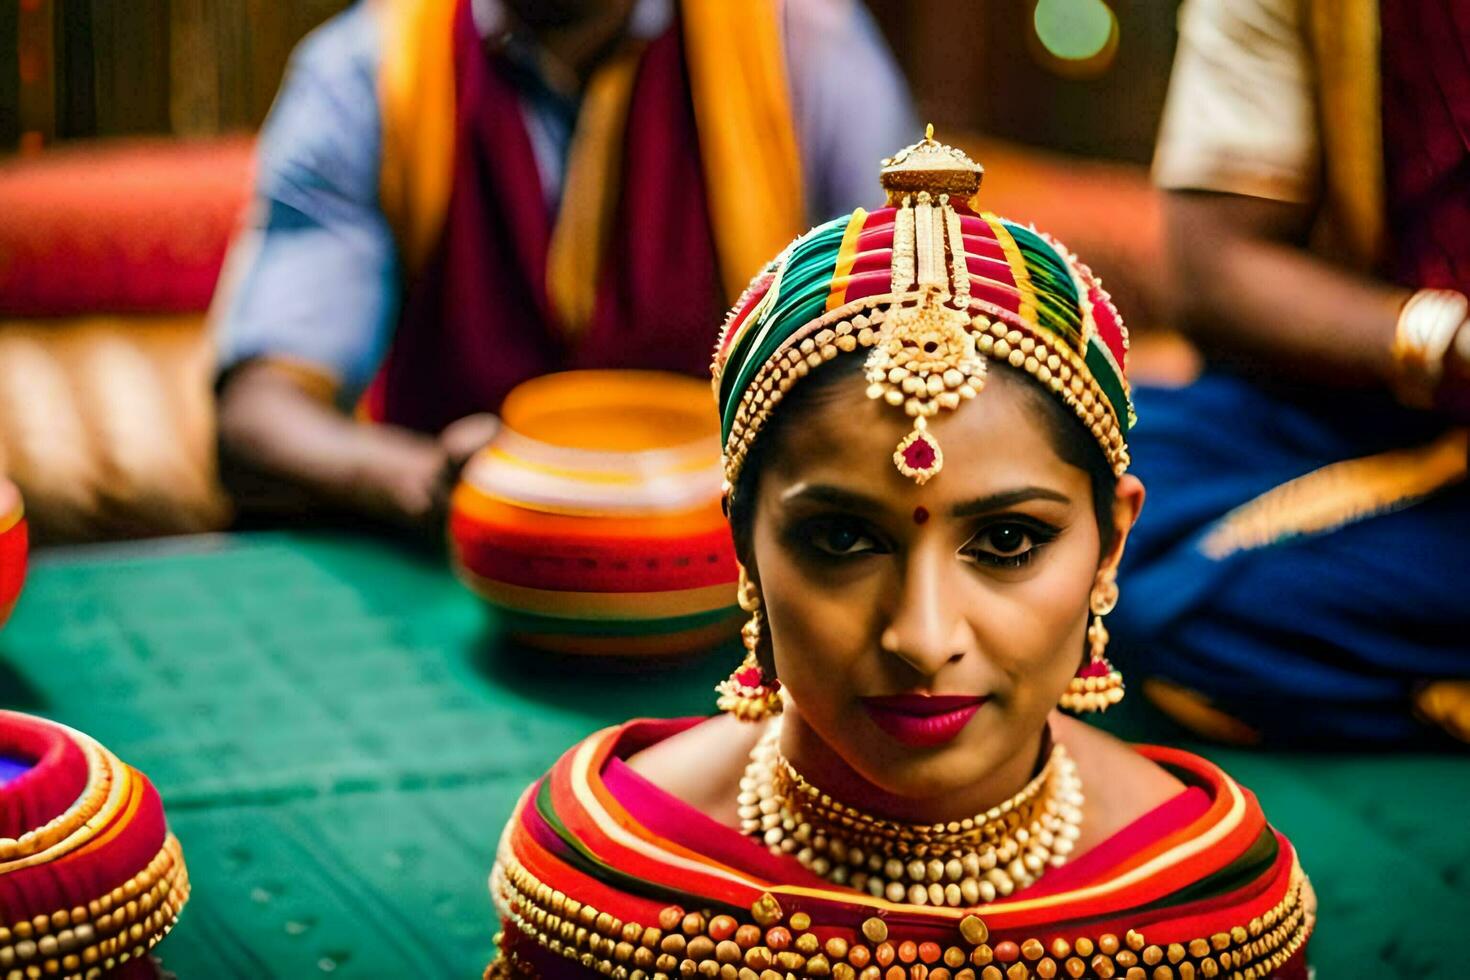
(746, 134)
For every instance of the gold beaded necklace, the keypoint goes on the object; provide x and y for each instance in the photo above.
(960, 863)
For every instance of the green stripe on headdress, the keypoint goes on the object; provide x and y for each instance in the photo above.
(1057, 304)
(797, 297)
(1100, 363)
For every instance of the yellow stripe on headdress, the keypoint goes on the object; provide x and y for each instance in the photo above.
(847, 254)
(1017, 262)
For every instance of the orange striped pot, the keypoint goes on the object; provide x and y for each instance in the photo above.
(592, 523)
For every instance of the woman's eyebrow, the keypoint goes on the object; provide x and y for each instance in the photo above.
(1006, 498)
(822, 493)
(834, 496)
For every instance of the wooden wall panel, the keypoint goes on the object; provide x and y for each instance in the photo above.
(194, 68)
(76, 104)
(253, 41)
(199, 67)
(126, 67)
(130, 50)
(939, 44)
(35, 46)
(9, 75)
(1114, 116)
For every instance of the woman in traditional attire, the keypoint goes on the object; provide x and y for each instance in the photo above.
(925, 415)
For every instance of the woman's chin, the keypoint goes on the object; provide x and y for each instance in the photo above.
(928, 773)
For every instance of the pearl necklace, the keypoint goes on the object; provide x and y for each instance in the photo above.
(960, 863)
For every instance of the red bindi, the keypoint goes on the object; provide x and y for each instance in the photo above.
(920, 515)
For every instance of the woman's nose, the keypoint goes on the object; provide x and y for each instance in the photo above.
(926, 629)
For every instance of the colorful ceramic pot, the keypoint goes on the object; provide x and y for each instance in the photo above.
(592, 522)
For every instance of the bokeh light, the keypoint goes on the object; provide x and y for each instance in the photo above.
(1077, 37)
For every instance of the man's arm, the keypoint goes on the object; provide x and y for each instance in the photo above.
(1240, 157)
(284, 447)
(309, 301)
(1246, 287)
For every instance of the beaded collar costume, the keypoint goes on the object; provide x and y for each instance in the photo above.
(601, 874)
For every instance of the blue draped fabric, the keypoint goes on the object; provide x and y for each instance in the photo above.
(1312, 638)
(11, 769)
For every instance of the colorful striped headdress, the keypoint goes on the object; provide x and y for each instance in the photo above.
(931, 286)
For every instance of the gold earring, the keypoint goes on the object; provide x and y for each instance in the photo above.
(1098, 685)
(748, 693)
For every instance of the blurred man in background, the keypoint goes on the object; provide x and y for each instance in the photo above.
(1302, 571)
(456, 195)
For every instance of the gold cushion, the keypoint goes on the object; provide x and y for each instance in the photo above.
(107, 425)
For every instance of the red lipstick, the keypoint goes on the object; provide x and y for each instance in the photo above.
(923, 721)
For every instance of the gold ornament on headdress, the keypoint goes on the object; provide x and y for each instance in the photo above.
(925, 358)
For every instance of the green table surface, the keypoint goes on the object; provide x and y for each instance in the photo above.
(339, 735)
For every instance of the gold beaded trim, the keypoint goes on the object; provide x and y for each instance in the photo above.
(917, 839)
(1063, 371)
(691, 945)
(1084, 278)
(838, 331)
(101, 766)
(856, 325)
(89, 941)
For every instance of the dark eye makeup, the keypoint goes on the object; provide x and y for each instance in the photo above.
(834, 537)
(1001, 541)
(1009, 541)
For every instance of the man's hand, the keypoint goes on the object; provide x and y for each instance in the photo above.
(285, 448)
(459, 441)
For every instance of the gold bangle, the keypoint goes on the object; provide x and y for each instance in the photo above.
(1460, 342)
(1426, 327)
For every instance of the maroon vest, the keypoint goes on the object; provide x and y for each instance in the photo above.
(1426, 141)
(477, 321)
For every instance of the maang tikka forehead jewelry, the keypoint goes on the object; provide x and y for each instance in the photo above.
(925, 357)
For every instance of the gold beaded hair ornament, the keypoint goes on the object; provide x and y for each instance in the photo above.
(930, 287)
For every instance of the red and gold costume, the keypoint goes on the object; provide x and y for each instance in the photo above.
(602, 873)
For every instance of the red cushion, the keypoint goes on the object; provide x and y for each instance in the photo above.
(119, 227)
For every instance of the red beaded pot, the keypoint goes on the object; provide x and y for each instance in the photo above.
(90, 877)
(13, 547)
(592, 523)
